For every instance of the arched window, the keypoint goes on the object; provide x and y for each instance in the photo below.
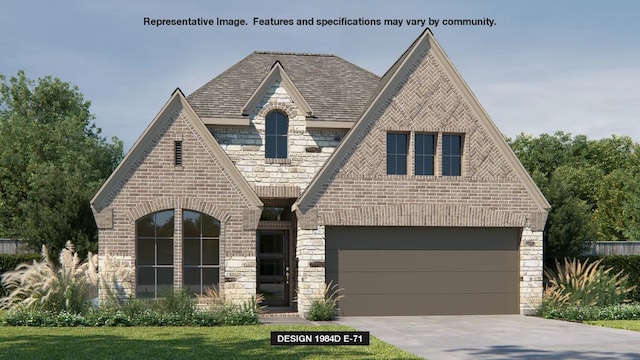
(154, 254)
(276, 128)
(201, 252)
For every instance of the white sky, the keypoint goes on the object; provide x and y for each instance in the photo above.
(545, 66)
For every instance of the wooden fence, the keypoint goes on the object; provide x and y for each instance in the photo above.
(615, 248)
(10, 246)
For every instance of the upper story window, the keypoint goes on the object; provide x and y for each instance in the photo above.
(276, 129)
(451, 155)
(397, 147)
(425, 151)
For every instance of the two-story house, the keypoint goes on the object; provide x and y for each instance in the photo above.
(291, 170)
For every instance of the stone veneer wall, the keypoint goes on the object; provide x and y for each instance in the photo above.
(311, 279)
(531, 265)
(307, 152)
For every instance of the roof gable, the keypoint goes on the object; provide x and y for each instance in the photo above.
(145, 143)
(333, 88)
(278, 74)
(407, 111)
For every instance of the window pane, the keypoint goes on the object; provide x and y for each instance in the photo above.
(419, 165)
(271, 267)
(282, 124)
(210, 277)
(191, 279)
(391, 164)
(429, 147)
(446, 166)
(455, 166)
(164, 224)
(210, 226)
(401, 143)
(165, 280)
(428, 165)
(272, 213)
(191, 252)
(446, 145)
(391, 144)
(210, 253)
(270, 126)
(271, 244)
(401, 164)
(146, 252)
(270, 146)
(165, 251)
(281, 147)
(419, 145)
(145, 226)
(456, 141)
(191, 223)
(145, 287)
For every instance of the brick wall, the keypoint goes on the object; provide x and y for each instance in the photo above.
(200, 184)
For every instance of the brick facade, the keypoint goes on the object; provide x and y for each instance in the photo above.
(339, 178)
(199, 184)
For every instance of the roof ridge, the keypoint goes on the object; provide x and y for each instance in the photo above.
(292, 53)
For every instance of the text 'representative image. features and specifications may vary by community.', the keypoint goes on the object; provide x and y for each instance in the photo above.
(320, 22)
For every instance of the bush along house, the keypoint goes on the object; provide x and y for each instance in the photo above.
(292, 170)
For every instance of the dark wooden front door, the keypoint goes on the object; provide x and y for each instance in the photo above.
(273, 267)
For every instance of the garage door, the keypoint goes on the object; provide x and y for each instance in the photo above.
(424, 271)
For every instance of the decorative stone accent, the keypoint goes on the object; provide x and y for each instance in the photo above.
(531, 287)
(311, 280)
(246, 148)
(243, 270)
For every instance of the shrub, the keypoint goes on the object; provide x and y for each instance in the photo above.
(628, 264)
(577, 283)
(593, 313)
(176, 303)
(43, 285)
(326, 307)
(9, 262)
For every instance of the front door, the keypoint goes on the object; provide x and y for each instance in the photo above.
(273, 266)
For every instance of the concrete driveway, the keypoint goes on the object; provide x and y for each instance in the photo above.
(499, 337)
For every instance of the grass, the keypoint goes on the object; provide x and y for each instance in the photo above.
(618, 324)
(226, 342)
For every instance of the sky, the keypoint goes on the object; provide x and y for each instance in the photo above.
(543, 66)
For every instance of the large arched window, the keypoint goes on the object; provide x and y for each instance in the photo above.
(276, 128)
(201, 248)
(154, 254)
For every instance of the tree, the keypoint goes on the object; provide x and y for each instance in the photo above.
(592, 186)
(52, 160)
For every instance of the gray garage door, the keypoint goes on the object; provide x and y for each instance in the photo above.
(424, 271)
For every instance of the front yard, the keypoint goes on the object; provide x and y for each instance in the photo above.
(225, 342)
(618, 324)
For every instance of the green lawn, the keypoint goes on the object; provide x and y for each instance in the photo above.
(618, 324)
(227, 342)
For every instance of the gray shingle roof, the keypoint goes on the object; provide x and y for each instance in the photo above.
(336, 89)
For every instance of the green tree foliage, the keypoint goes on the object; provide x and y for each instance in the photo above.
(592, 186)
(52, 161)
